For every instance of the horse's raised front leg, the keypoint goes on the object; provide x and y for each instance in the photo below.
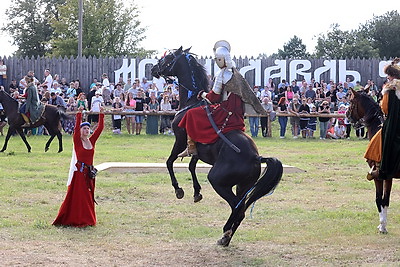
(196, 186)
(383, 189)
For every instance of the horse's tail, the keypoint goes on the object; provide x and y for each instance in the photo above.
(63, 115)
(267, 182)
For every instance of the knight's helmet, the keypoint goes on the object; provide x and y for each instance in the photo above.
(222, 51)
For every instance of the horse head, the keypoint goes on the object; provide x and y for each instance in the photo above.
(166, 65)
(192, 76)
(363, 110)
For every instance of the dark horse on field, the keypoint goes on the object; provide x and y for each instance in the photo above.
(229, 168)
(364, 110)
(50, 119)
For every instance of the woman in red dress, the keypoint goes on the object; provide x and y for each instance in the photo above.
(78, 207)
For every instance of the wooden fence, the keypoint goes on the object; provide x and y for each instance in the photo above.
(85, 69)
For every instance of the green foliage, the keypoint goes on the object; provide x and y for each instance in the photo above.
(294, 48)
(29, 26)
(43, 28)
(109, 29)
(344, 44)
(384, 33)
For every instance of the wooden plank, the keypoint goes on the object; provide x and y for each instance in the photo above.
(135, 167)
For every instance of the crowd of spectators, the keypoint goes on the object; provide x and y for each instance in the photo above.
(295, 99)
(313, 97)
(119, 96)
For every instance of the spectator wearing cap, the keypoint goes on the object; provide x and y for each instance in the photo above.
(56, 88)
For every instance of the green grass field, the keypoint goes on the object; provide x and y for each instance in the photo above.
(324, 216)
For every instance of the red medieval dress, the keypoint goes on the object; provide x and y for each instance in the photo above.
(78, 207)
(228, 116)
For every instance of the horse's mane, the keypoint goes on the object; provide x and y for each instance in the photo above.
(371, 108)
(199, 74)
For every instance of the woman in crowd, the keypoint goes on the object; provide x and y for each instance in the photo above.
(267, 105)
(116, 119)
(282, 108)
(294, 120)
(82, 101)
(289, 94)
(323, 121)
(130, 105)
(165, 119)
(304, 109)
(68, 125)
(78, 210)
(152, 120)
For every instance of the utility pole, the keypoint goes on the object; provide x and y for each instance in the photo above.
(80, 26)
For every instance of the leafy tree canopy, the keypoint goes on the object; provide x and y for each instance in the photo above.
(50, 27)
(294, 48)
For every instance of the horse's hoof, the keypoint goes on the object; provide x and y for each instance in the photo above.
(46, 149)
(2, 150)
(382, 229)
(59, 151)
(226, 239)
(179, 193)
(197, 197)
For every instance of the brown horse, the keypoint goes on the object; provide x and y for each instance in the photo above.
(50, 119)
(364, 110)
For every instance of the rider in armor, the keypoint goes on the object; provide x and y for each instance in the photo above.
(227, 101)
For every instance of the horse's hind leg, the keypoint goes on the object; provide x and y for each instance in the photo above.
(196, 186)
(383, 189)
(46, 148)
(60, 144)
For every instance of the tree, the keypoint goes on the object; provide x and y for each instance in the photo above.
(109, 29)
(344, 44)
(294, 48)
(29, 26)
(384, 33)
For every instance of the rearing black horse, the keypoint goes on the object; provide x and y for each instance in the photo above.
(50, 119)
(229, 168)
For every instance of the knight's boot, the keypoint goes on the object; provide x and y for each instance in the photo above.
(191, 149)
(26, 119)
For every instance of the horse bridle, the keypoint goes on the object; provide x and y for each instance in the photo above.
(170, 65)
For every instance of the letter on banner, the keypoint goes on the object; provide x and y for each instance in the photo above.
(125, 70)
(343, 72)
(254, 65)
(293, 70)
(142, 66)
(382, 65)
(280, 64)
(330, 65)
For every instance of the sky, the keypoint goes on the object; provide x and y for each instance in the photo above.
(251, 27)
